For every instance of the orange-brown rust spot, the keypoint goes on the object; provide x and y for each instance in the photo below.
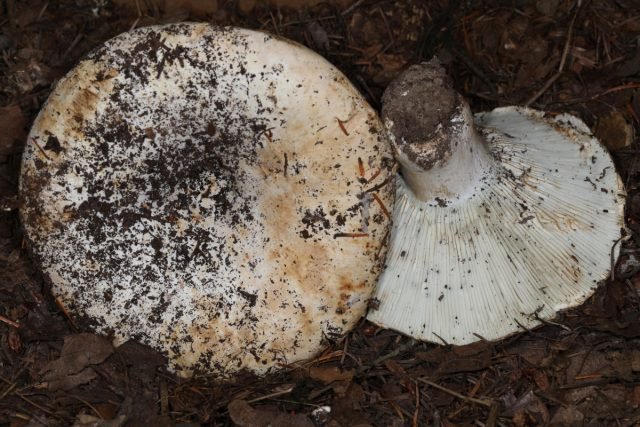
(350, 287)
(84, 100)
(346, 286)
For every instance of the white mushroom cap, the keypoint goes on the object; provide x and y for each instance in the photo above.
(507, 225)
(216, 193)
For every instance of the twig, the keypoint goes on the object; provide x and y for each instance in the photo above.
(271, 395)
(595, 97)
(612, 274)
(44, 153)
(487, 403)
(462, 56)
(386, 24)
(549, 322)
(11, 14)
(527, 330)
(352, 7)
(164, 397)
(42, 11)
(36, 405)
(9, 321)
(8, 390)
(344, 350)
(444, 342)
(563, 59)
(73, 44)
(306, 21)
(93, 408)
(582, 384)
(387, 356)
(414, 422)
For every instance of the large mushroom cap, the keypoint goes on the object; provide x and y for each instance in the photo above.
(504, 227)
(218, 194)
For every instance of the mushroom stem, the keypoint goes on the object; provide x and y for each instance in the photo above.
(441, 154)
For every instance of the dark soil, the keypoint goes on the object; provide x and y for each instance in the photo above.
(556, 55)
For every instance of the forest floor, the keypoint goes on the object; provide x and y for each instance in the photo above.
(582, 369)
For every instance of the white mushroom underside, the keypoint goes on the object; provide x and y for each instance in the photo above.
(536, 236)
(190, 186)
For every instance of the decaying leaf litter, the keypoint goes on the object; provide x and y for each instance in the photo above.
(581, 369)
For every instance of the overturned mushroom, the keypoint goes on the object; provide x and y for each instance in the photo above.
(501, 219)
(219, 194)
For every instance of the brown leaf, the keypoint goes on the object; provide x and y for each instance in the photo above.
(244, 415)
(435, 355)
(532, 352)
(567, 416)
(291, 420)
(68, 382)
(12, 129)
(395, 368)
(538, 377)
(467, 358)
(635, 360)
(330, 374)
(528, 404)
(198, 8)
(85, 420)
(634, 397)
(141, 358)
(541, 380)
(78, 352)
(463, 364)
(473, 349)
(347, 413)
(614, 131)
(319, 35)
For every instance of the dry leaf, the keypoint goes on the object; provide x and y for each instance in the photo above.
(567, 416)
(538, 377)
(243, 415)
(12, 129)
(634, 398)
(614, 131)
(68, 382)
(78, 352)
(319, 35)
(85, 420)
(330, 374)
